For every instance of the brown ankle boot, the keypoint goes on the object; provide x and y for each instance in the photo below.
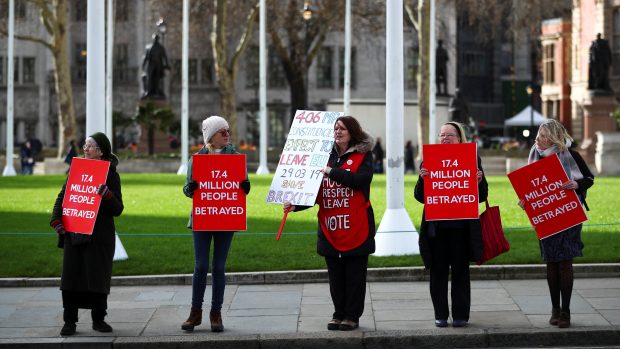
(216, 321)
(564, 321)
(194, 319)
(555, 316)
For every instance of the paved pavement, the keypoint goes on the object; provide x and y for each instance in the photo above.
(398, 314)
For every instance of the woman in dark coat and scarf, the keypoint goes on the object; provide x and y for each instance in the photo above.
(346, 231)
(87, 263)
(448, 246)
(558, 250)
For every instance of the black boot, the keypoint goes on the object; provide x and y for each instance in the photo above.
(555, 316)
(68, 329)
(98, 323)
(70, 316)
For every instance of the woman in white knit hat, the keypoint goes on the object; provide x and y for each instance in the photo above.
(216, 135)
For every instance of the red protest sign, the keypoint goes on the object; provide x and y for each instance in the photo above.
(451, 187)
(81, 202)
(550, 208)
(219, 202)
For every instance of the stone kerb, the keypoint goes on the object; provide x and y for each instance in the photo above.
(484, 272)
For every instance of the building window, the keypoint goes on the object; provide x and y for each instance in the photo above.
(20, 10)
(353, 68)
(79, 58)
(474, 63)
(411, 67)
(28, 69)
(324, 78)
(251, 67)
(175, 71)
(15, 70)
(275, 72)
(549, 64)
(616, 41)
(277, 119)
(122, 72)
(79, 10)
(121, 10)
(192, 72)
(206, 71)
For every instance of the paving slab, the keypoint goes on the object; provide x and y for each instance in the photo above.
(504, 313)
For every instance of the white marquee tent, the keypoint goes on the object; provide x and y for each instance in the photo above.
(524, 118)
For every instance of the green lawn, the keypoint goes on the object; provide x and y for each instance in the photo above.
(152, 227)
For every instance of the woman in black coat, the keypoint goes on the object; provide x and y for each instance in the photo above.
(87, 263)
(558, 250)
(449, 245)
(346, 231)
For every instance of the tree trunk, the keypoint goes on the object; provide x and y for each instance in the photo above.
(228, 104)
(299, 96)
(423, 74)
(67, 126)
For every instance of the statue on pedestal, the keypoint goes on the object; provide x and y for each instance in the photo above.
(154, 64)
(441, 70)
(600, 62)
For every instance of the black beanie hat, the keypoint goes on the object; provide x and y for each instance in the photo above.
(103, 143)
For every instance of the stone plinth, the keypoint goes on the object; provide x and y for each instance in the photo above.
(597, 112)
(607, 156)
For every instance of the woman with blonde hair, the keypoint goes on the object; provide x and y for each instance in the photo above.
(558, 250)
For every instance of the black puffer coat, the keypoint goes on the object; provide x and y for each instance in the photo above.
(88, 267)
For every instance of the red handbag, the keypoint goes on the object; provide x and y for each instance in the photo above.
(493, 240)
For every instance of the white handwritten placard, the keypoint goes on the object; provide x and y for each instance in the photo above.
(298, 176)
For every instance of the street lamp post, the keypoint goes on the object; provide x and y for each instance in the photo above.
(530, 93)
(162, 28)
(307, 16)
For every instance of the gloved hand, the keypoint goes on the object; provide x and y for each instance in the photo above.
(60, 229)
(104, 191)
(245, 185)
(191, 187)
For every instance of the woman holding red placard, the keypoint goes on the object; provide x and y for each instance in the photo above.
(346, 231)
(216, 134)
(87, 263)
(558, 250)
(450, 245)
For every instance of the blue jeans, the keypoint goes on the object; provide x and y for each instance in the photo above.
(202, 244)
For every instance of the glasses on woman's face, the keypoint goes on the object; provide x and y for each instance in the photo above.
(446, 135)
(87, 146)
(225, 132)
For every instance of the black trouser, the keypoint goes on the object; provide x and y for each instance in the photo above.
(71, 314)
(450, 250)
(72, 301)
(347, 285)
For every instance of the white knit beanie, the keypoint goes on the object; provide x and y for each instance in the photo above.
(211, 125)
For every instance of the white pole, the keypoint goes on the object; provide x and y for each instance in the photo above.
(9, 170)
(347, 58)
(432, 117)
(184, 91)
(95, 67)
(262, 90)
(396, 234)
(109, 70)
